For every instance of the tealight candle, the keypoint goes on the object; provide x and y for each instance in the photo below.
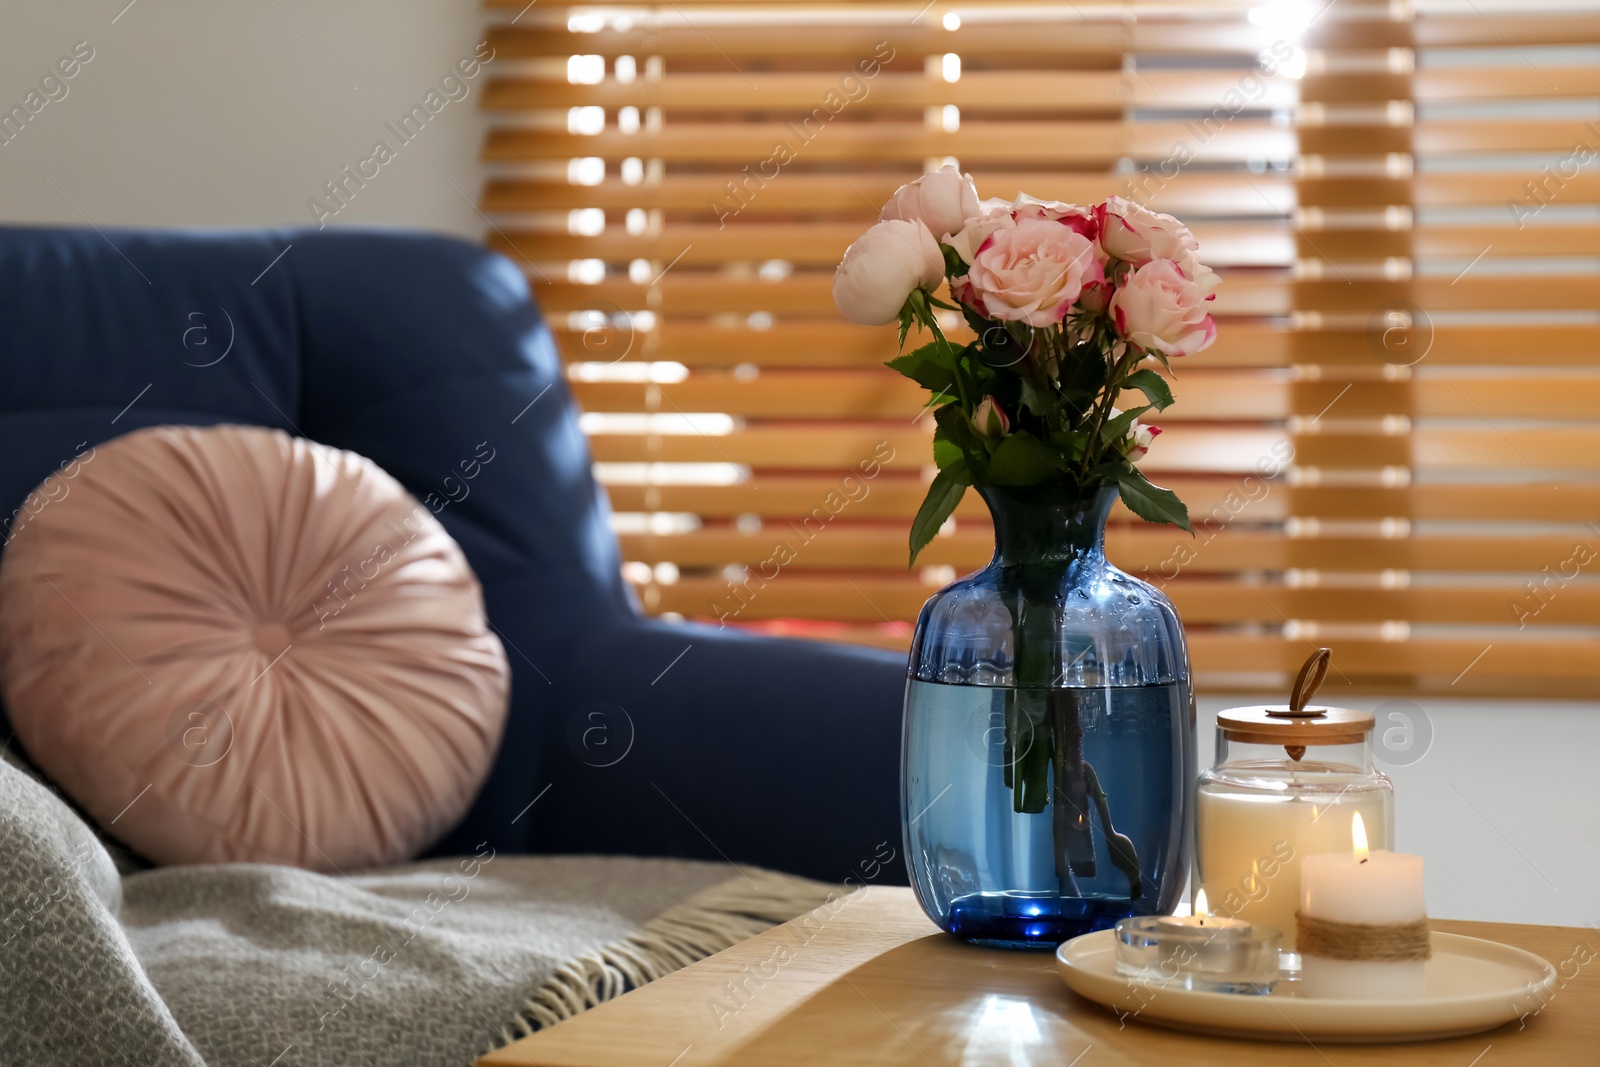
(1362, 923)
(1202, 920)
(1227, 941)
(1198, 951)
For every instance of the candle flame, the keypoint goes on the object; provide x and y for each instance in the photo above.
(1358, 832)
(1200, 904)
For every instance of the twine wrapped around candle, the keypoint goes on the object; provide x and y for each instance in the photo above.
(1374, 942)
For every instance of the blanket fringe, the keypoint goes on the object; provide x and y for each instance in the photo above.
(706, 923)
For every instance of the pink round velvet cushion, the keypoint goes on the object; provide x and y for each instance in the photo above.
(229, 644)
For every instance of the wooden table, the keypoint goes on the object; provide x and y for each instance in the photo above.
(871, 982)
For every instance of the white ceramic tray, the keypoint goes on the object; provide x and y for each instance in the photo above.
(1472, 985)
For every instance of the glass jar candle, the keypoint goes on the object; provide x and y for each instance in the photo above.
(1286, 783)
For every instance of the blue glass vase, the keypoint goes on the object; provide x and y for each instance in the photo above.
(1048, 746)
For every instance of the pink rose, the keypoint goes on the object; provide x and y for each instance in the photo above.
(942, 200)
(882, 269)
(992, 215)
(1031, 271)
(1130, 232)
(1159, 309)
(1136, 235)
(1080, 219)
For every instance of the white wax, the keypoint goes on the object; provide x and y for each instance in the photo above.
(1250, 846)
(1203, 924)
(1383, 888)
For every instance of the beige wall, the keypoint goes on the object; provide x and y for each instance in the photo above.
(1501, 803)
(224, 114)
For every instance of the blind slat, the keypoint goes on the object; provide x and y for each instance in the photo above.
(1136, 550)
(1217, 396)
(813, 343)
(818, 445)
(1244, 293)
(1215, 500)
(824, 141)
(1204, 600)
(1186, 192)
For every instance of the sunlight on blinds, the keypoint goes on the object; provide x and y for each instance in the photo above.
(1393, 445)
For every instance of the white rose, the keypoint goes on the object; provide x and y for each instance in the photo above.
(1159, 309)
(942, 200)
(883, 268)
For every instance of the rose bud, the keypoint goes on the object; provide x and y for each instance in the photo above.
(1139, 439)
(989, 420)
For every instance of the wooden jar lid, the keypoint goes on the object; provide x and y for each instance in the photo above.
(1297, 724)
(1277, 724)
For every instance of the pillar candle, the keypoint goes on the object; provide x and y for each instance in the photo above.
(1375, 887)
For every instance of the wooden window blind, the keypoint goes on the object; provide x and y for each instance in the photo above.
(1393, 447)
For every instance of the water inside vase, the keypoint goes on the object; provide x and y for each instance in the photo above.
(988, 873)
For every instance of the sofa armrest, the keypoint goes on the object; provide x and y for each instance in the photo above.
(686, 740)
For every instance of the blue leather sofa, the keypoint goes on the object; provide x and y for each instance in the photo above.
(425, 353)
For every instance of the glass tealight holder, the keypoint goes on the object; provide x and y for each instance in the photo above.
(1287, 783)
(1205, 953)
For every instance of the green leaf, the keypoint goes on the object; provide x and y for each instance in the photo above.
(998, 348)
(977, 322)
(982, 376)
(1116, 429)
(1151, 502)
(955, 428)
(1083, 372)
(943, 496)
(1023, 459)
(1035, 399)
(1152, 385)
(1071, 443)
(933, 366)
(946, 453)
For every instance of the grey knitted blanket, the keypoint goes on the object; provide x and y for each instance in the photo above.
(246, 965)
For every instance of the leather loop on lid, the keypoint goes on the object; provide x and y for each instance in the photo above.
(1309, 681)
(1298, 725)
